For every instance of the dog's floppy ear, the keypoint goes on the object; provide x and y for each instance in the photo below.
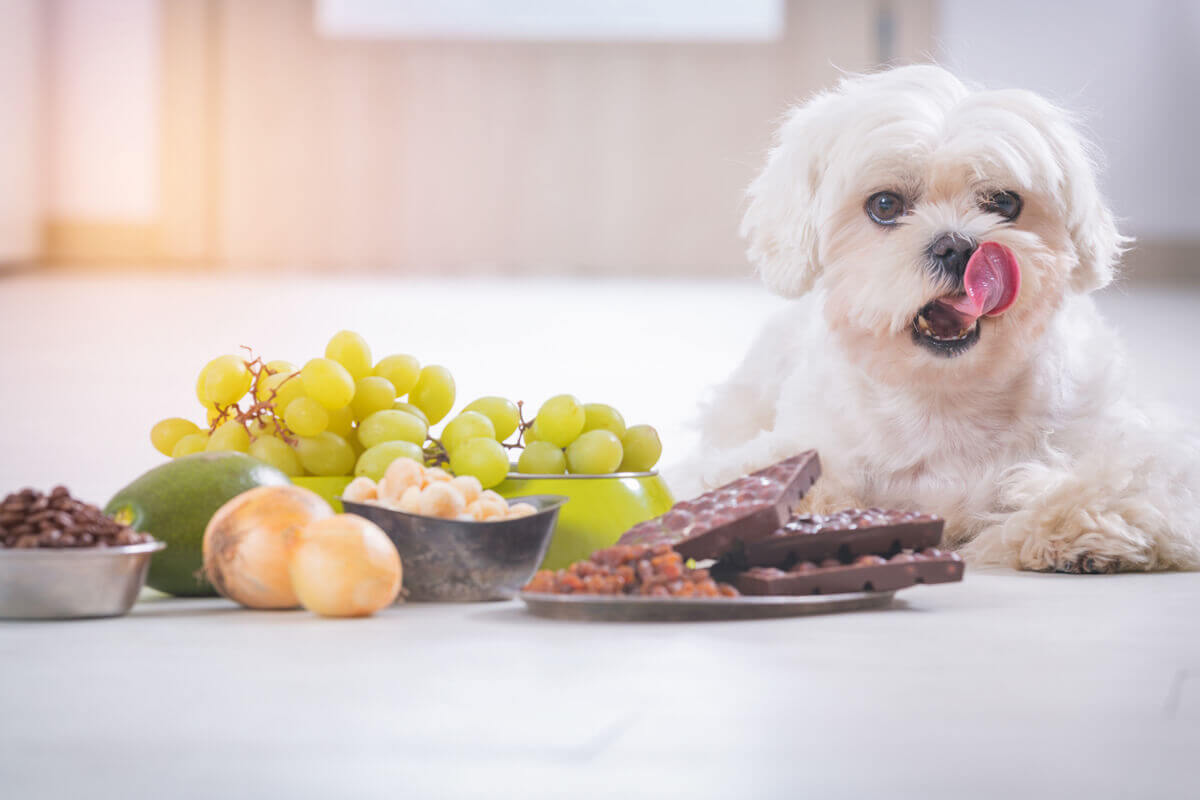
(780, 225)
(1090, 223)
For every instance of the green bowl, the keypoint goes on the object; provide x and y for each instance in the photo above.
(600, 509)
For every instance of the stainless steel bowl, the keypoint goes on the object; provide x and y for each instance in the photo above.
(446, 559)
(72, 583)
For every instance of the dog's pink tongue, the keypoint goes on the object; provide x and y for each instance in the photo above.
(992, 280)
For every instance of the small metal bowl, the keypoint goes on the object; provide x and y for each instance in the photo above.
(72, 583)
(454, 560)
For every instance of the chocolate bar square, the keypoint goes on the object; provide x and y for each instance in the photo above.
(844, 535)
(719, 522)
(867, 573)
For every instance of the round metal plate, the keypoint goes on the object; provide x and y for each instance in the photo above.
(602, 608)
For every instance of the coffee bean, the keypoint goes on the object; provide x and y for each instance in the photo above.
(30, 519)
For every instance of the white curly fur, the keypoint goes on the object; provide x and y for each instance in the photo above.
(1030, 443)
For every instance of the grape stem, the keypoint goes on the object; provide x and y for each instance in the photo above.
(260, 407)
(522, 426)
(435, 453)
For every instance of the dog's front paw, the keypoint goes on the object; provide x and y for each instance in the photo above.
(1082, 550)
(1086, 564)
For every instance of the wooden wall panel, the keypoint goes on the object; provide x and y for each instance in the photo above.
(190, 188)
(418, 157)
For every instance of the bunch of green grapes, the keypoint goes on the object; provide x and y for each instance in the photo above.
(346, 414)
(336, 415)
(565, 436)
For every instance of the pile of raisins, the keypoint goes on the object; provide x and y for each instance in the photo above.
(637, 569)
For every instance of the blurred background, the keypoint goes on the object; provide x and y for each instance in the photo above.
(532, 137)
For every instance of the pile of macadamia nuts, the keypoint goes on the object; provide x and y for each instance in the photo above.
(432, 492)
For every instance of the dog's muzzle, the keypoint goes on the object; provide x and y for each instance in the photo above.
(990, 278)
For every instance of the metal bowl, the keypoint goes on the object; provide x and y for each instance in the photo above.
(72, 583)
(453, 560)
(602, 507)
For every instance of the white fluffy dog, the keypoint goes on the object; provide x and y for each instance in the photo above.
(943, 352)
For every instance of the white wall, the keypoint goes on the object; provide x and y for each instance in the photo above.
(1132, 69)
(20, 198)
(104, 113)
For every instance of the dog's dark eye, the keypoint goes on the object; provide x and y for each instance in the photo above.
(1006, 204)
(885, 207)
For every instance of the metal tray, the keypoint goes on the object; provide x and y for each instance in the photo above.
(603, 608)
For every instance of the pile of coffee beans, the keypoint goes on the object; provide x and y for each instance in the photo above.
(654, 570)
(29, 518)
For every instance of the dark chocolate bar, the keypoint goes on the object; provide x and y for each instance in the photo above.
(746, 510)
(844, 535)
(867, 573)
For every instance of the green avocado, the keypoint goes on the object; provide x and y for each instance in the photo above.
(175, 501)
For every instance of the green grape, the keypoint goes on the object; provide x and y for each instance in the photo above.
(202, 388)
(325, 454)
(400, 370)
(594, 453)
(341, 422)
(559, 420)
(528, 436)
(642, 449)
(166, 433)
(601, 417)
(391, 425)
(210, 416)
(327, 382)
(502, 412)
(306, 417)
(486, 459)
(542, 458)
(374, 461)
(226, 380)
(287, 387)
(372, 394)
(266, 383)
(351, 351)
(400, 405)
(192, 443)
(229, 436)
(263, 425)
(433, 392)
(274, 451)
(467, 425)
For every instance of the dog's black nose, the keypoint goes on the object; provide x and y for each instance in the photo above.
(951, 251)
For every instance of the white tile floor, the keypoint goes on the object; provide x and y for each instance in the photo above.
(1006, 684)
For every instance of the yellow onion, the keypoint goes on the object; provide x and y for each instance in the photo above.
(345, 566)
(248, 542)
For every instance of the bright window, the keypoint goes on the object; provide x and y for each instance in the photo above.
(554, 20)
